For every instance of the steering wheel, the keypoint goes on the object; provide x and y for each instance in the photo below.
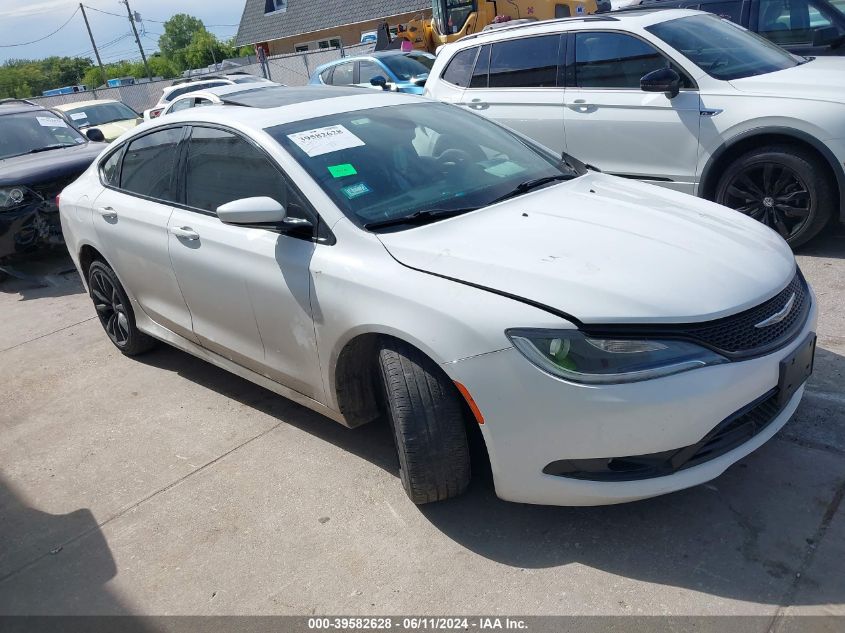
(452, 158)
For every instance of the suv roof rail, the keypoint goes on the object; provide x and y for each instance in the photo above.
(15, 100)
(604, 17)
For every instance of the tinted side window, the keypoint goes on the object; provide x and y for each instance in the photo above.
(109, 169)
(613, 60)
(367, 70)
(192, 87)
(342, 74)
(459, 69)
(148, 165)
(790, 21)
(482, 68)
(728, 10)
(326, 75)
(529, 62)
(222, 167)
(182, 104)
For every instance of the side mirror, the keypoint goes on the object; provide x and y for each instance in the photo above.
(95, 134)
(262, 210)
(379, 81)
(662, 80)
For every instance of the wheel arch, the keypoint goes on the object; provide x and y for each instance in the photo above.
(741, 143)
(88, 254)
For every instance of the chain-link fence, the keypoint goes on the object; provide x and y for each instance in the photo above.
(292, 70)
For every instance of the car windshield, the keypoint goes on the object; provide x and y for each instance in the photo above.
(405, 67)
(100, 114)
(29, 132)
(382, 164)
(722, 49)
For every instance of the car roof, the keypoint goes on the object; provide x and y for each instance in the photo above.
(16, 106)
(169, 89)
(636, 17)
(222, 91)
(374, 55)
(258, 109)
(84, 104)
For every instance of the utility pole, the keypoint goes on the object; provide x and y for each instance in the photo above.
(137, 39)
(96, 52)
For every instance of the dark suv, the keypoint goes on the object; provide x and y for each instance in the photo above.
(803, 27)
(40, 153)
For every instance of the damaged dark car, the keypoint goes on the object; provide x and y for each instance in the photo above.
(40, 154)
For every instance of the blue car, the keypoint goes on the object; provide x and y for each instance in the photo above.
(388, 70)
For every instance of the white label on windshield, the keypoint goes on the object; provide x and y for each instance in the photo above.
(505, 169)
(51, 121)
(324, 140)
(79, 115)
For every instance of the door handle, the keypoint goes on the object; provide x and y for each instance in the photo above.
(581, 105)
(478, 104)
(108, 213)
(184, 232)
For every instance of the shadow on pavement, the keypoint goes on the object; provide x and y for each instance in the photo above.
(744, 536)
(69, 552)
(48, 275)
(830, 244)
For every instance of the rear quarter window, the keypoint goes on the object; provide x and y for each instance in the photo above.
(459, 69)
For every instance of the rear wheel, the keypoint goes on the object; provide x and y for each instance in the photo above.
(426, 416)
(786, 188)
(115, 311)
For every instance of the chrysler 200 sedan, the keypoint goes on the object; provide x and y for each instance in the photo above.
(377, 255)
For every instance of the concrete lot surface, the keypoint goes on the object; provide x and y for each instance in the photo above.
(163, 485)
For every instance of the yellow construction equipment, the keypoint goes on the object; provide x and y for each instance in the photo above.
(453, 19)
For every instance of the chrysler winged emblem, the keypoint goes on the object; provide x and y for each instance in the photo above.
(778, 316)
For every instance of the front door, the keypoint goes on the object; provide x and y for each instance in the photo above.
(612, 124)
(131, 217)
(248, 288)
(516, 82)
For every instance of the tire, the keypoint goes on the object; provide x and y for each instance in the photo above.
(426, 415)
(785, 187)
(115, 311)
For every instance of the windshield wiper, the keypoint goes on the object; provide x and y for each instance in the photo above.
(418, 217)
(528, 185)
(47, 148)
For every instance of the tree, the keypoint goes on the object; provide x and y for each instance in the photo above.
(204, 49)
(179, 31)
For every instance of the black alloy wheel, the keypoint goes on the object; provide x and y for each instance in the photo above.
(785, 188)
(115, 311)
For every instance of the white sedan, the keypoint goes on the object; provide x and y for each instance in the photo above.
(379, 255)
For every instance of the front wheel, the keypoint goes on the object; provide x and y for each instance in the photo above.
(786, 188)
(115, 311)
(426, 416)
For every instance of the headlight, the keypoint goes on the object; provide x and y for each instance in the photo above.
(574, 356)
(11, 197)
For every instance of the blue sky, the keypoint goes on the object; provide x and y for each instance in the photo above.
(26, 20)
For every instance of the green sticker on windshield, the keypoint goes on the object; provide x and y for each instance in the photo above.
(341, 171)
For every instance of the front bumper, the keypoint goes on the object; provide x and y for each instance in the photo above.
(533, 419)
(29, 228)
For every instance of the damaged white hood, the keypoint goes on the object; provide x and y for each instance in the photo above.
(607, 250)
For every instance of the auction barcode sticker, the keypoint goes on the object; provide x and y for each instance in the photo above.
(324, 140)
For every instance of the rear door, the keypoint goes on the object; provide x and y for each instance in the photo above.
(131, 217)
(248, 288)
(803, 27)
(612, 124)
(518, 83)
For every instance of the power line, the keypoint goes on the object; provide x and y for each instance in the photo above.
(117, 15)
(41, 39)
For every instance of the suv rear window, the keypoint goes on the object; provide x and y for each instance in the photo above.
(528, 62)
(459, 70)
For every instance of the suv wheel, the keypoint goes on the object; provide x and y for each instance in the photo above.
(426, 416)
(115, 311)
(784, 187)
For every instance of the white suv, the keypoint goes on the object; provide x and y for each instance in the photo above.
(678, 98)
